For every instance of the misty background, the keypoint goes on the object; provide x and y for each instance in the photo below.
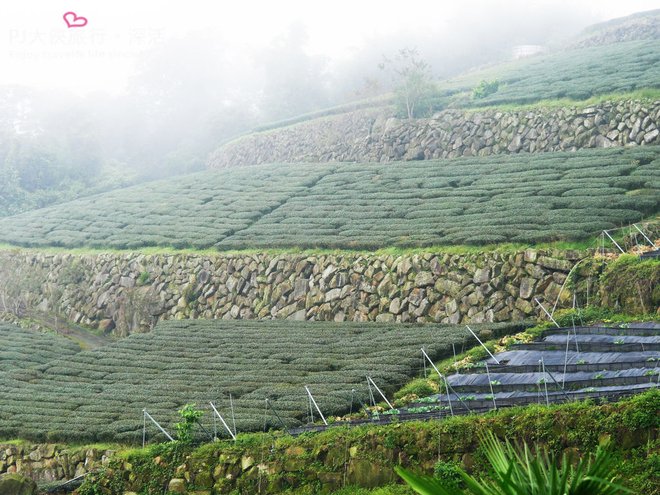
(148, 92)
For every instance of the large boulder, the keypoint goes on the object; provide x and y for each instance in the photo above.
(15, 484)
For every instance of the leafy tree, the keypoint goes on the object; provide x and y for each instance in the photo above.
(190, 416)
(413, 82)
(519, 472)
(485, 88)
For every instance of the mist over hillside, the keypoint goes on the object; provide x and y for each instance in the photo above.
(194, 90)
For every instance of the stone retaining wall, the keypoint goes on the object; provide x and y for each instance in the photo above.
(376, 136)
(45, 463)
(125, 293)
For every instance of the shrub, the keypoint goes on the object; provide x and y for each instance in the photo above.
(485, 88)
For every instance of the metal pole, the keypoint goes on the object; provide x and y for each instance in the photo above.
(447, 385)
(552, 377)
(538, 387)
(158, 425)
(144, 428)
(545, 383)
(233, 418)
(615, 243)
(380, 392)
(546, 312)
(311, 397)
(424, 365)
(371, 393)
(268, 404)
(311, 410)
(563, 286)
(577, 347)
(647, 239)
(224, 423)
(482, 344)
(490, 383)
(215, 428)
(568, 340)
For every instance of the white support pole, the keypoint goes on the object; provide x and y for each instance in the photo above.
(224, 423)
(424, 366)
(144, 428)
(612, 239)
(545, 382)
(538, 387)
(380, 392)
(233, 417)
(490, 383)
(568, 340)
(451, 409)
(371, 393)
(563, 286)
(482, 344)
(311, 397)
(215, 428)
(147, 415)
(643, 234)
(546, 312)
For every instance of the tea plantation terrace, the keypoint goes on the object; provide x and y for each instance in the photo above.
(22, 348)
(100, 395)
(520, 377)
(479, 200)
(576, 74)
(505, 386)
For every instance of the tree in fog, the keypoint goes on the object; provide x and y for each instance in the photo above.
(412, 79)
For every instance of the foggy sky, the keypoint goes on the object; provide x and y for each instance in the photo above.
(37, 49)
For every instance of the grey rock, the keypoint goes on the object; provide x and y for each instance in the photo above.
(16, 484)
(424, 279)
(527, 286)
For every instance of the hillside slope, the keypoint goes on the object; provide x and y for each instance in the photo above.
(639, 26)
(571, 73)
(526, 198)
(376, 136)
(21, 349)
(574, 73)
(100, 395)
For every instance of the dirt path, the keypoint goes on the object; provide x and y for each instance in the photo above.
(85, 338)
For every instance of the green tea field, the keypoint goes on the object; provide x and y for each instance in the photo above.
(21, 348)
(100, 395)
(522, 198)
(576, 74)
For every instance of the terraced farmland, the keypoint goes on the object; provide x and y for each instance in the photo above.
(535, 373)
(21, 348)
(99, 395)
(576, 74)
(523, 198)
(197, 210)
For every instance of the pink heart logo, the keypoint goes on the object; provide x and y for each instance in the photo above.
(72, 20)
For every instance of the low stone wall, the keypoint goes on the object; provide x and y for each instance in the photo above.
(45, 463)
(366, 456)
(375, 136)
(125, 293)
